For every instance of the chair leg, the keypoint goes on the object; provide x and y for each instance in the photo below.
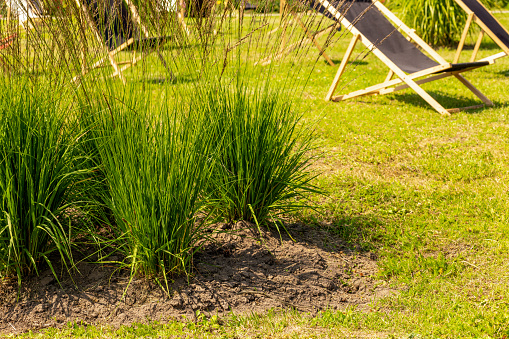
(477, 46)
(117, 69)
(474, 90)
(288, 49)
(160, 56)
(389, 76)
(463, 37)
(312, 38)
(428, 98)
(342, 67)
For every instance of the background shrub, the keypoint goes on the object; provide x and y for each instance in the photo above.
(438, 22)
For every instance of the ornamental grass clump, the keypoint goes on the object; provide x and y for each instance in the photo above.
(263, 154)
(438, 22)
(155, 164)
(39, 166)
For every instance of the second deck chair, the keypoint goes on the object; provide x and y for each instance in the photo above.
(311, 37)
(369, 23)
(117, 26)
(489, 25)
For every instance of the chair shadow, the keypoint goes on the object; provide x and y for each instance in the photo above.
(354, 63)
(488, 45)
(341, 233)
(446, 100)
(503, 73)
(160, 80)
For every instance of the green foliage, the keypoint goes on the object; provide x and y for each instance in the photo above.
(262, 154)
(438, 22)
(155, 167)
(39, 165)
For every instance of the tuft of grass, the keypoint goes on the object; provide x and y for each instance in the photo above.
(39, 165)
(262, 154)
(155, 166)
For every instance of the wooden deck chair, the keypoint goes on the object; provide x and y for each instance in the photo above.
(311, 37)
(177, 7)
(489, 25)
(369, 23)
(117, 27)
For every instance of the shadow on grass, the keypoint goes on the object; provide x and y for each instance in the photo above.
(159, 80)
(351, 63)
(344, 233)
(486, 45)
(446, 100)
(503, 73)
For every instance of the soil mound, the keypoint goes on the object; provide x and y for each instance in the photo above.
(239, 272)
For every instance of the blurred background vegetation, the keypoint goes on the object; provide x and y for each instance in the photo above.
(438, 22)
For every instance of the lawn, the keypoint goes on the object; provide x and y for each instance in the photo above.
(428, 194)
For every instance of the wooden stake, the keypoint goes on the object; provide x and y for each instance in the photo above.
(283, 22)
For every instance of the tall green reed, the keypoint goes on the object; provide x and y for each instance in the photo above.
(39, 166)
(263, 153)
(155, 163)
(163, 147)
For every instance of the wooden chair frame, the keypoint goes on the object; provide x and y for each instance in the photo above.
(404, 80)
(118, 67)
(471, 17)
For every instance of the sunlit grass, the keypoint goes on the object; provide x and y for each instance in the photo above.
(429, 194)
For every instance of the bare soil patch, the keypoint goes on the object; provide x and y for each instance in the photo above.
(240, 272)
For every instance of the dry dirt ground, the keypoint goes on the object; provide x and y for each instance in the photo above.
(240, 272)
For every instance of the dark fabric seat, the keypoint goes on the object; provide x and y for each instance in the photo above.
(477, 13)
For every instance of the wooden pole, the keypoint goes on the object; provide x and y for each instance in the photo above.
(282, 22)
(8, 16)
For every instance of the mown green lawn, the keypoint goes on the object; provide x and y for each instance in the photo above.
(429, 193)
